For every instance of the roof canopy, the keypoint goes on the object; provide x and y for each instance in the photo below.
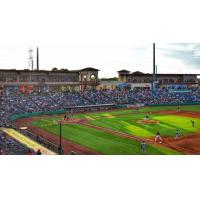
(123, 70)
(89, 69)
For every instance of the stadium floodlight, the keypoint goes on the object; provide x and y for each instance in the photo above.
(37, 58)
(60, 146)
(154, 70)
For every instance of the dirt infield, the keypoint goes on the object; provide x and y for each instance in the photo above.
(148, 121)
(67, 145)
(181, 113)
(72, 121)
(189, 144)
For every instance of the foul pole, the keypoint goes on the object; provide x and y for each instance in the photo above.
(154, 71)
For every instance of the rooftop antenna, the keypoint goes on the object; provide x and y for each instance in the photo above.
(37, 59)
(154, 70)
(30, 59)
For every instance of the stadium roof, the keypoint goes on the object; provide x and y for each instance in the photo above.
(51, 71)
(147, 74)
(138, 73)
(89, 69)
(123, 70)
(32, 71)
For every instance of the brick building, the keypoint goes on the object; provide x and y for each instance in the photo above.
(139, 79)
(42, 81)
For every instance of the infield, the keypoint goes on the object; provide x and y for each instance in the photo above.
(118, 132)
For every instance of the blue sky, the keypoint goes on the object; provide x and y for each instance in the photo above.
(170, 58)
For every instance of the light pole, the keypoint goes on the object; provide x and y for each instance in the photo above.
(60, 146)
(154, 70)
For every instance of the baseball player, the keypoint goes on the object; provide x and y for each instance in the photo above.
(65, 117)
(178, 134)
(178, 109)
(193, 123)
(144, 147)
(158, 137)
(72, 113)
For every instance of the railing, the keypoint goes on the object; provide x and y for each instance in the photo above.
(41, 140)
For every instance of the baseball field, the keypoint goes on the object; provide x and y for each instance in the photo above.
(120, 132)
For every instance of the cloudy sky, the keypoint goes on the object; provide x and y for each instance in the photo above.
(108, 35)
(170, 58)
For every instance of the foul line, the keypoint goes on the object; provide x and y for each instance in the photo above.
(26, 141)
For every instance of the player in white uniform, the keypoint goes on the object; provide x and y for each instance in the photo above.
(178, 134)
(158, 137)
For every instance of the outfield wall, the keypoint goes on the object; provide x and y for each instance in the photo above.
(33, 114)
(62, 111)
(120, 106)
(175, 104)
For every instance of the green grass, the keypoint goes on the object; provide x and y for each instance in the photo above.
(106, 143)
(99, 141)
(167, 126)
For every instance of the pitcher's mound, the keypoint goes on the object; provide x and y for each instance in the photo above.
(148, 121)
(73, 121)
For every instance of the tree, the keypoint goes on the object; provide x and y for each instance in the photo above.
(109, 79)
(64, 70)
(54, 69)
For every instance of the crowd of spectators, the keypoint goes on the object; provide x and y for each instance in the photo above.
(10, 105)
(10, 146)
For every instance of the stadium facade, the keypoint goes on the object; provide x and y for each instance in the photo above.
(144, 80)
(42, 81)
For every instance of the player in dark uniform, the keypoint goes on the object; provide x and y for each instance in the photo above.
(144, 147)
(65, 117)
(193, 123)
(178, 109)
(67, 114)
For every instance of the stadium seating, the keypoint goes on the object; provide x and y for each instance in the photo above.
(10, 146)
(11, 105)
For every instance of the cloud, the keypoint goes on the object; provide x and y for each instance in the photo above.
(187, 53)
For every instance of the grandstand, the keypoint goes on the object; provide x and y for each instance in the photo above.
(27, 93)
(10, 146)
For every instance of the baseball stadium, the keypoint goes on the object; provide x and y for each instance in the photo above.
(74, 112)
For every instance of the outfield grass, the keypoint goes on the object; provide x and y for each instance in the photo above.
(126, 121)
(167, 126)
(99, 141)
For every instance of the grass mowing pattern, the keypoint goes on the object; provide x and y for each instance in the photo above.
(99, 141)
(110, 144)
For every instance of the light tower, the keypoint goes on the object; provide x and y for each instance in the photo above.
(37, 59)
(154, 71)
(30, 59)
